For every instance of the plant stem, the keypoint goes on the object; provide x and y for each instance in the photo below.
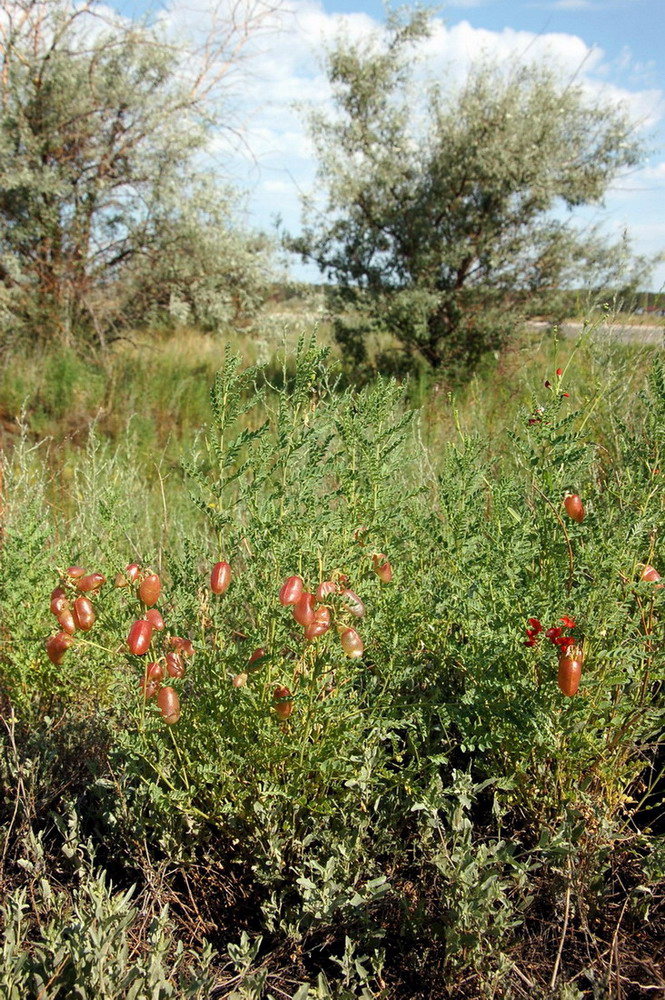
(569, 583)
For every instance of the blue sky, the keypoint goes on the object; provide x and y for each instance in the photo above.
(615, 48)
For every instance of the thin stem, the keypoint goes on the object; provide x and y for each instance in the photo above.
(88, 642)
(555, 971)
(571, 564)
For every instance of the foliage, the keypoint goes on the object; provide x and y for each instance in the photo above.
(419, 807)
(84, 949)
(439, 216)
(101, 136)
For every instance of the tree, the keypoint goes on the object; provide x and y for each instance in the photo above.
(439, 213)
(102, 127)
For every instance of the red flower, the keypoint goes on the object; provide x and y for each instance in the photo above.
(568, 622)
(567, 394)
(559, 371)
(564, 641)
(548, 384)
(532, 632)
(553, 633)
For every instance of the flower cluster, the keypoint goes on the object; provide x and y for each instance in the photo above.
(555, 633)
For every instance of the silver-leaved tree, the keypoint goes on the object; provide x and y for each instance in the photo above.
(107, 217)
(441, 215)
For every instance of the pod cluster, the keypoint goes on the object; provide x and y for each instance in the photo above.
(72, 605)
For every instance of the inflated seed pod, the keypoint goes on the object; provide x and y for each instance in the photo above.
(57, 646)
(153, 616)
(352, 644)
(353, 603)
(220, 578)
(140, 637)
(303, 609)
(149, 589)
(382, 567)
(66, 621)
(320, 625)
(169, 704)
(290, 590)
(91, 582)
(84, 613)
(283, 705)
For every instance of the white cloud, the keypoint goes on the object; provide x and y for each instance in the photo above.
(654, 173)
(454, 49)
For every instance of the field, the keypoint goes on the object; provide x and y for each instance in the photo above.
(416, 802)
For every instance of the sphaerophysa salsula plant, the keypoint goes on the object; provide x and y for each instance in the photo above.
(437, 217)
(546, 567)
(431, 786)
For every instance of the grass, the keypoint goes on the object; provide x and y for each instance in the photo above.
(156, 387)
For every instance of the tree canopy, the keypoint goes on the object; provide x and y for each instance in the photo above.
(441, 202)
(106, 212)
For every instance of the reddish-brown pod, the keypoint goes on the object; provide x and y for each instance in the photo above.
(570, 670)
(149, 589)
(258, 654)
(382, 567)
(57, 646)
(84, 613)
(574, 507)
(290, 590)
(651, 575)
(352, 644)
(154, 672)
(66, 621)
(174, 665)
(284, 709)
(183, 646)
(130, 574)
(220, 578)
(325, 589)
(149, 687)
(169, 704)
(58, 601)
(283, 705)
(173, 662)
(93, 581)
(140, 636)
(320, 625)
(353, 603)
(153, 616)
(303, 609)
(74, 572)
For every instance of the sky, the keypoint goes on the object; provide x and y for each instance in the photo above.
(614, 48)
